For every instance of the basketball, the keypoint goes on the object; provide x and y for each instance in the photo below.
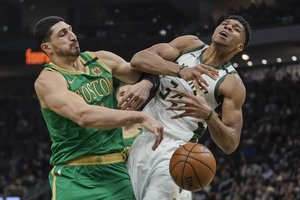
(192, 166)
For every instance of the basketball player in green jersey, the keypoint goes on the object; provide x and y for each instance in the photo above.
(78, 104)
(184, 106)
(145, 92)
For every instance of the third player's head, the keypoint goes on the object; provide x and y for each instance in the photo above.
(233, 33)
(56, 37)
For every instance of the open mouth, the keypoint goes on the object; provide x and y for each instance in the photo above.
(223, 34)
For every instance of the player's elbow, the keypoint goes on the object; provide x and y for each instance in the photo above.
(82, 118)
(230, 148)
(137, 59)
(86, 119)
(134, 60)
(81, 121)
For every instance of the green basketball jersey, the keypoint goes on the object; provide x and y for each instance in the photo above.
(69, 140)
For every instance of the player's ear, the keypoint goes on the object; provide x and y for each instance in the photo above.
(240, 47)
(46, 47)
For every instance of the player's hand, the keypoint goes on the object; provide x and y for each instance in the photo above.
(134, 96)
(191, 105)
(196, 72)
(154, 127)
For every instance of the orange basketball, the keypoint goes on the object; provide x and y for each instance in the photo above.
(192, 166)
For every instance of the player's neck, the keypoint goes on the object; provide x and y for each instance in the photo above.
(216, 56)
(71, 64)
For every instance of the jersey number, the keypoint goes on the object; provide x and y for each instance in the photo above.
(168, 91)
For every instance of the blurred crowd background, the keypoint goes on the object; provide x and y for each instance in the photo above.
(266, 166)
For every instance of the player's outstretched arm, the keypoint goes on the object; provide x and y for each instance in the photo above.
(51, 89)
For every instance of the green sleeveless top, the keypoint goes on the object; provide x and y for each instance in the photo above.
(69, 140)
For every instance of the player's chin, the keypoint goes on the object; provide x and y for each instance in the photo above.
(75, 51)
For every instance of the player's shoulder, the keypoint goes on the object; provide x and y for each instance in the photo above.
(48, 73)
(104, 54)
(187, 42)
(233, 86)
(110, 59)
(46, 77)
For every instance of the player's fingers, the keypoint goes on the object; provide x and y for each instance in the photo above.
(197, 87)
(125, 98)
(179, 101)
(123, 106)
(182, 93)
(185, 108)
(210, 71)
(121, 101)
(179, 115)
(130, 100)
(175, 108)
(137, 104)
(202, 82)
(158, 138)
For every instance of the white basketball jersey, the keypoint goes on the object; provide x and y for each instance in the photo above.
(183, 128)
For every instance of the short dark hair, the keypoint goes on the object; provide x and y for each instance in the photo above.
(41, 30)
(246, 26)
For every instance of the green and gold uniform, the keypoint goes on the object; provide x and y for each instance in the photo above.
(88, 164)
(129, 140)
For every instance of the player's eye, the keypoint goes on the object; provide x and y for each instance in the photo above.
(237, 30)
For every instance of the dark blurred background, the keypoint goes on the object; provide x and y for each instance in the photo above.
(266, 165)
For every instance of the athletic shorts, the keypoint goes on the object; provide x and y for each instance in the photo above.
(91, 182)
(149, 170)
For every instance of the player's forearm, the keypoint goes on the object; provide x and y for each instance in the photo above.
(105, 118)
(226, 138)
(152, 63)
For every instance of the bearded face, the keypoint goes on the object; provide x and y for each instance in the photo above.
(63, 41)
(72, 51)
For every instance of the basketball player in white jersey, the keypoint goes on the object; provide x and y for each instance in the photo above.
(186, 102)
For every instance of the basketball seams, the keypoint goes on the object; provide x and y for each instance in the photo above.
(174, 165)
(187, 156)
(203, 163)
(194, 171)
(191, 149)
(187, 162)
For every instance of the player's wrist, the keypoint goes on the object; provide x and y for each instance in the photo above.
(179, 70)
(146, 84)
(209, 116)
(151, 79)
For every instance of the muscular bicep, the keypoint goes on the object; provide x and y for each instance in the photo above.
(52, 91)
(165, 51)
(172, 50)
(234, 93)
